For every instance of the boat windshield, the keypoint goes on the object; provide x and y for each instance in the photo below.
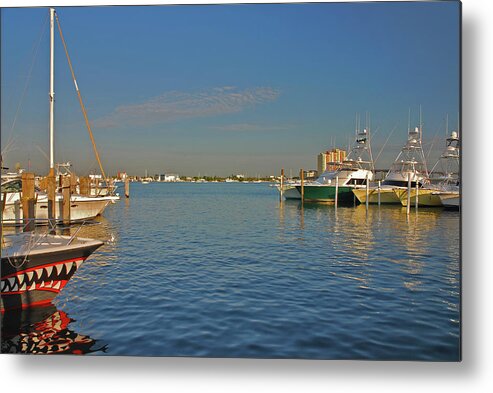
(12, 186)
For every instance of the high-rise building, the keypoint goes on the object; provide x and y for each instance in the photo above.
(328, 160)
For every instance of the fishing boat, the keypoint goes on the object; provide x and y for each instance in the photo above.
(353, 172)
(446, 183)
(289, 190)
(409, 165)
(450, 200)
(36, 267)
(82, 207)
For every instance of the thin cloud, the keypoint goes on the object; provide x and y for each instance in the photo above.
(175, 105)
(247, 127)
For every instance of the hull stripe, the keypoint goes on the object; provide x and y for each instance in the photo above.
(43, 266)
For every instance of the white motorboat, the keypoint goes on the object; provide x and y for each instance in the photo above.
(354, 172)
(447, 181)
(410, 164)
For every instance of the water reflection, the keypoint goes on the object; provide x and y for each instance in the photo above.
(44, 330)
(359, 242)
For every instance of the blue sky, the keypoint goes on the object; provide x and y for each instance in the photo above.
(224, 89)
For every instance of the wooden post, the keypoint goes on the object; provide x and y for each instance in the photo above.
(110, 185)
(28, 200)
(367, 192)
(127, 187)
(43, 183)
(337, 190)
(85, 185)
(416, 197)
(4, 201)
(51, 191)
(66, 200)
(408, 207)
(379, 184)
(73, 183)
(281, 190)
(354, 195)
(302, 178)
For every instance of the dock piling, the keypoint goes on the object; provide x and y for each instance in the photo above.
(73, 183)
(51, 193)
(302, 178)
(379, 184)
(85, 185)
(28, 201)
(66, 200)
(354, 195)
(127, 187)
(281, 190)
(367, 192)
(416, 198)
(337, 191)
(408, 206)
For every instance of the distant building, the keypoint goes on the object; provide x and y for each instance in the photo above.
(171, 177)
(326, 159)
(167, 177)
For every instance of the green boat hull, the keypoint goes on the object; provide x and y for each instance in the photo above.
(328, 194)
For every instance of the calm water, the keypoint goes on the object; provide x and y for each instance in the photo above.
(225, 270)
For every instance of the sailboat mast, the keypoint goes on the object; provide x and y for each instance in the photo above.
(52, 88)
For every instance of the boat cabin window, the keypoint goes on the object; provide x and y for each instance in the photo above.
(12, 186)
(400, 183)
(358, 182)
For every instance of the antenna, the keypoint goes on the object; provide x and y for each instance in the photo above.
(446, 126)
(458, 124)
(409, 121)
(420, 124)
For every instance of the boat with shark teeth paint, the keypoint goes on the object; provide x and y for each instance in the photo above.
(36, 267)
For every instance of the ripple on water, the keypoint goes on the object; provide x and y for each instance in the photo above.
(225, 270)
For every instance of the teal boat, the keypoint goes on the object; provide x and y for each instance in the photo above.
(354, 172)
(327, 193)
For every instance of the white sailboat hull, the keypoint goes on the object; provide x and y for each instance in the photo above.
(82, 208)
